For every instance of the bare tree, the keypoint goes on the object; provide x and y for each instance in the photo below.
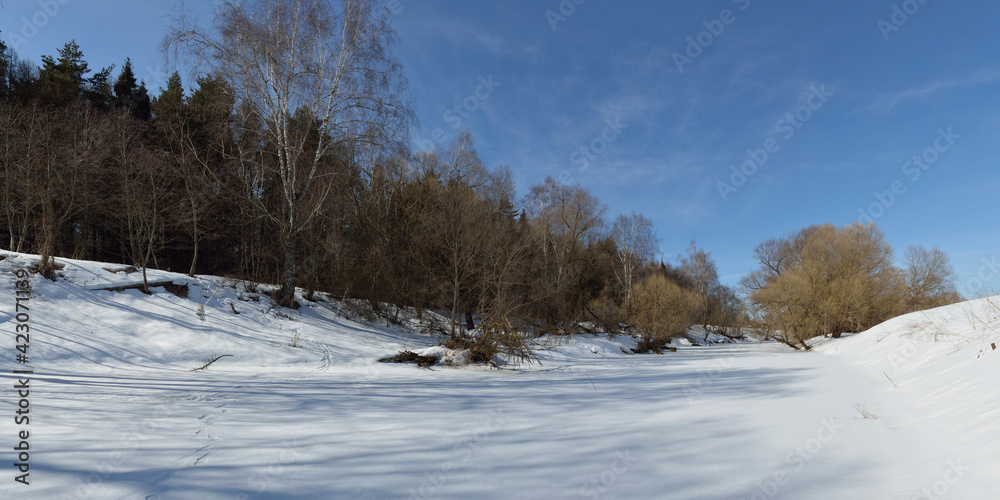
(454, 219)
(635, 244)
(700, 270)
(565, 221)
(63, 161)
(930, 277)
(138, 176)
(19, 133)
(282, 58)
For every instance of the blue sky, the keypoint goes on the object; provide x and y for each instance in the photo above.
(840, 96)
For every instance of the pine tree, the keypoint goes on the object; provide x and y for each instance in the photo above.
(99, 91)
(170, 99)
(61, 80)
(4, 71)
(132, 95)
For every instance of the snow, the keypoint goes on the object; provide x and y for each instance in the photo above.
(303, 409)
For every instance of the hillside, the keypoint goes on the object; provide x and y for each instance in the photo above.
(302, 409)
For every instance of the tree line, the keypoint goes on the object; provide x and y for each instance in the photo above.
(287, 162)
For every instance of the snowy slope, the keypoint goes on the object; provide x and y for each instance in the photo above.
(942, 361)
(118, 413)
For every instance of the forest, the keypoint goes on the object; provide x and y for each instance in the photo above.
(288, 162)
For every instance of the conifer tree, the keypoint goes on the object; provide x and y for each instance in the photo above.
(130, 94)
(61, 80)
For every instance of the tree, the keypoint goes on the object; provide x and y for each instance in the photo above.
(5, 69)
(699, 268)
(454, 221)
(565, 220)
(663, 311)
(824, 280)
(139, 179)
(64, 161)
(930, 278)
(130, 94)
(196, 136)
(282, 57)
(635, 245)
(16, 76)
(61, 80)
(19, 135)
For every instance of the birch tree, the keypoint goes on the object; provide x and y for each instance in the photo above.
(635, 244)
(328, 60)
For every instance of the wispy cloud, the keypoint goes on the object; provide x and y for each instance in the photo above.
(885, 102)
(462, 33)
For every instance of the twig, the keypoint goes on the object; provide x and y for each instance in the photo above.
(890, 380)
(213, 361)
(591, 380)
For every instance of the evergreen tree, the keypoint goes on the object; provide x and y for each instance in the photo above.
(171, 99)
(99, 91)
(132, 95)
(4, 71)
(61, 80)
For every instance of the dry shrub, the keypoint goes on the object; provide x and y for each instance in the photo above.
(663, 311)
(410, 357)
(495, 338)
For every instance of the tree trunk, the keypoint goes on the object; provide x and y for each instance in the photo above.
(194, 238)
(454, 300)
(469, 324)
(286, 295)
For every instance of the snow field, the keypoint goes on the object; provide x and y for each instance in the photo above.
(118, 413)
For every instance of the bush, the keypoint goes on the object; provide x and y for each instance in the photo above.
(826, 280)
(662, 311)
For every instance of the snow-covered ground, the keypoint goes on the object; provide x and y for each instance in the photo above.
(303, 410)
